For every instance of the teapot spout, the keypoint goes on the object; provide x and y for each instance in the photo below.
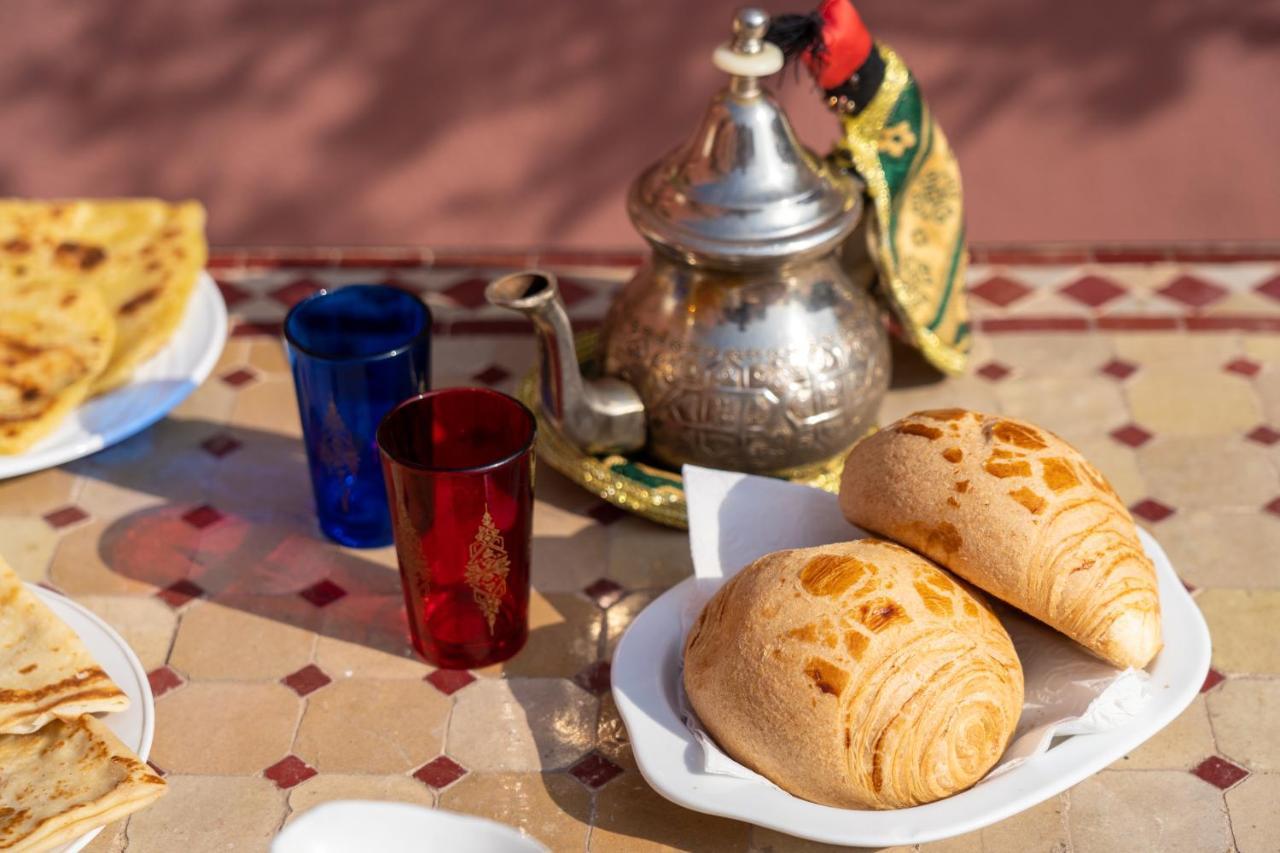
(602, 415)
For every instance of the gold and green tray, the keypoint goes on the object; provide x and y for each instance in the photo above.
(633, 482)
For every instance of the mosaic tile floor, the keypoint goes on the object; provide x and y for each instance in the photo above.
(280, 662)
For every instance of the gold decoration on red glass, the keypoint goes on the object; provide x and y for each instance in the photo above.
(487, 567)
(338, 452)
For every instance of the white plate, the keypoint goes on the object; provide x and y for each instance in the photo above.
(646, 667)
(136, 724)
(160, 383)
(344, 826)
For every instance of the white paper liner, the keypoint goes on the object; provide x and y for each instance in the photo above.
(736, 518)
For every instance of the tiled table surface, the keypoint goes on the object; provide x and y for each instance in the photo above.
(280, 661)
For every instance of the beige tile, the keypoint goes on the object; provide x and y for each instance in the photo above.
(224, 728)
(1043, 827)
(78, 567)
(553, 808)
(966, 392)
(267, 355)
(1267, 386)
(1242, 623)
(569, 550)
(1176, 349)
(1264, 348)
(108, 501)
(1209, 472)
(1170, 811)
(334, 786)
(211, 403)
(342, 659)
(27, 544)
(1230, 548)
(631, 817)
(112, 839)
(366, 725)
(146, 623)
(553, 488)
(644, 555)
(1118, 463)
(1255, 820)
(1058, 355)
(1192, 401)
(621, 615)
(771, 841)
(268, 405)
(1181, 745)
(234, 354)
(210, 814)
(564, 636)
(1076, 408)
(1243, 712)
(36, 494)
(611, 734)
(218, 642)
(521, 725)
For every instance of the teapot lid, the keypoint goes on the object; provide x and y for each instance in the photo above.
(742, 189)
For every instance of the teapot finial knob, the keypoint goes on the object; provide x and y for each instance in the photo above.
(747, 55)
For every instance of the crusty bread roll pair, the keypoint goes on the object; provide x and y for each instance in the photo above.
(860, 674)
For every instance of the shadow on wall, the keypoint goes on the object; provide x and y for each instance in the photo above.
(300, 121)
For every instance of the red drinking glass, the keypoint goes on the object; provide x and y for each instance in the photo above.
(458, 465)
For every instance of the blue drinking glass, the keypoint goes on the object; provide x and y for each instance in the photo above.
(356, 352)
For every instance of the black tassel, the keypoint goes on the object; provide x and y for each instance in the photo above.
(794, 34)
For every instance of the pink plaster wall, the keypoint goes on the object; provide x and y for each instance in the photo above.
(479, 122)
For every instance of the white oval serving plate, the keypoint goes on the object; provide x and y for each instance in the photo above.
(646, 668)
(159, 384)
(135, 725)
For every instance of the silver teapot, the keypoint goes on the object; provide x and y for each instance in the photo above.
(744, 342)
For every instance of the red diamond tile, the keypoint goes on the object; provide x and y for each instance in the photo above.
(605, 592)
(231, 294)
(1270, 287)
(1151, 510)
(440, 772)
(1243, 367)
(1192, 291)
(1273, 507)
(606, 513)
(180, 592)
(450, 681)
(993, 370)
(595, 771)
(491, 375)
(1211, 680)
(571, 292)
(239, 377)
(294, 292)
(163, 680)
(469, 292)
(65, 516)
(156, 768)
(594, 678)
(323, 593)
(1001, 291)
(309, 679)
(202, 516)
(1119, 369)
(1131, 435)
(220, 445)
(1264, 435)
(289, 771)
(1093, 290)
(1219, 772)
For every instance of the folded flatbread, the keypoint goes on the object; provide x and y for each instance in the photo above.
(45, 671)
(66, 779)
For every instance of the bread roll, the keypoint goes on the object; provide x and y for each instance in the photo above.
(1018, 512)
(857, 675)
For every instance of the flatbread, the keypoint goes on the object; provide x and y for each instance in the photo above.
(45, 670)
(144, 257)
(66, 779)
(56, 339)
